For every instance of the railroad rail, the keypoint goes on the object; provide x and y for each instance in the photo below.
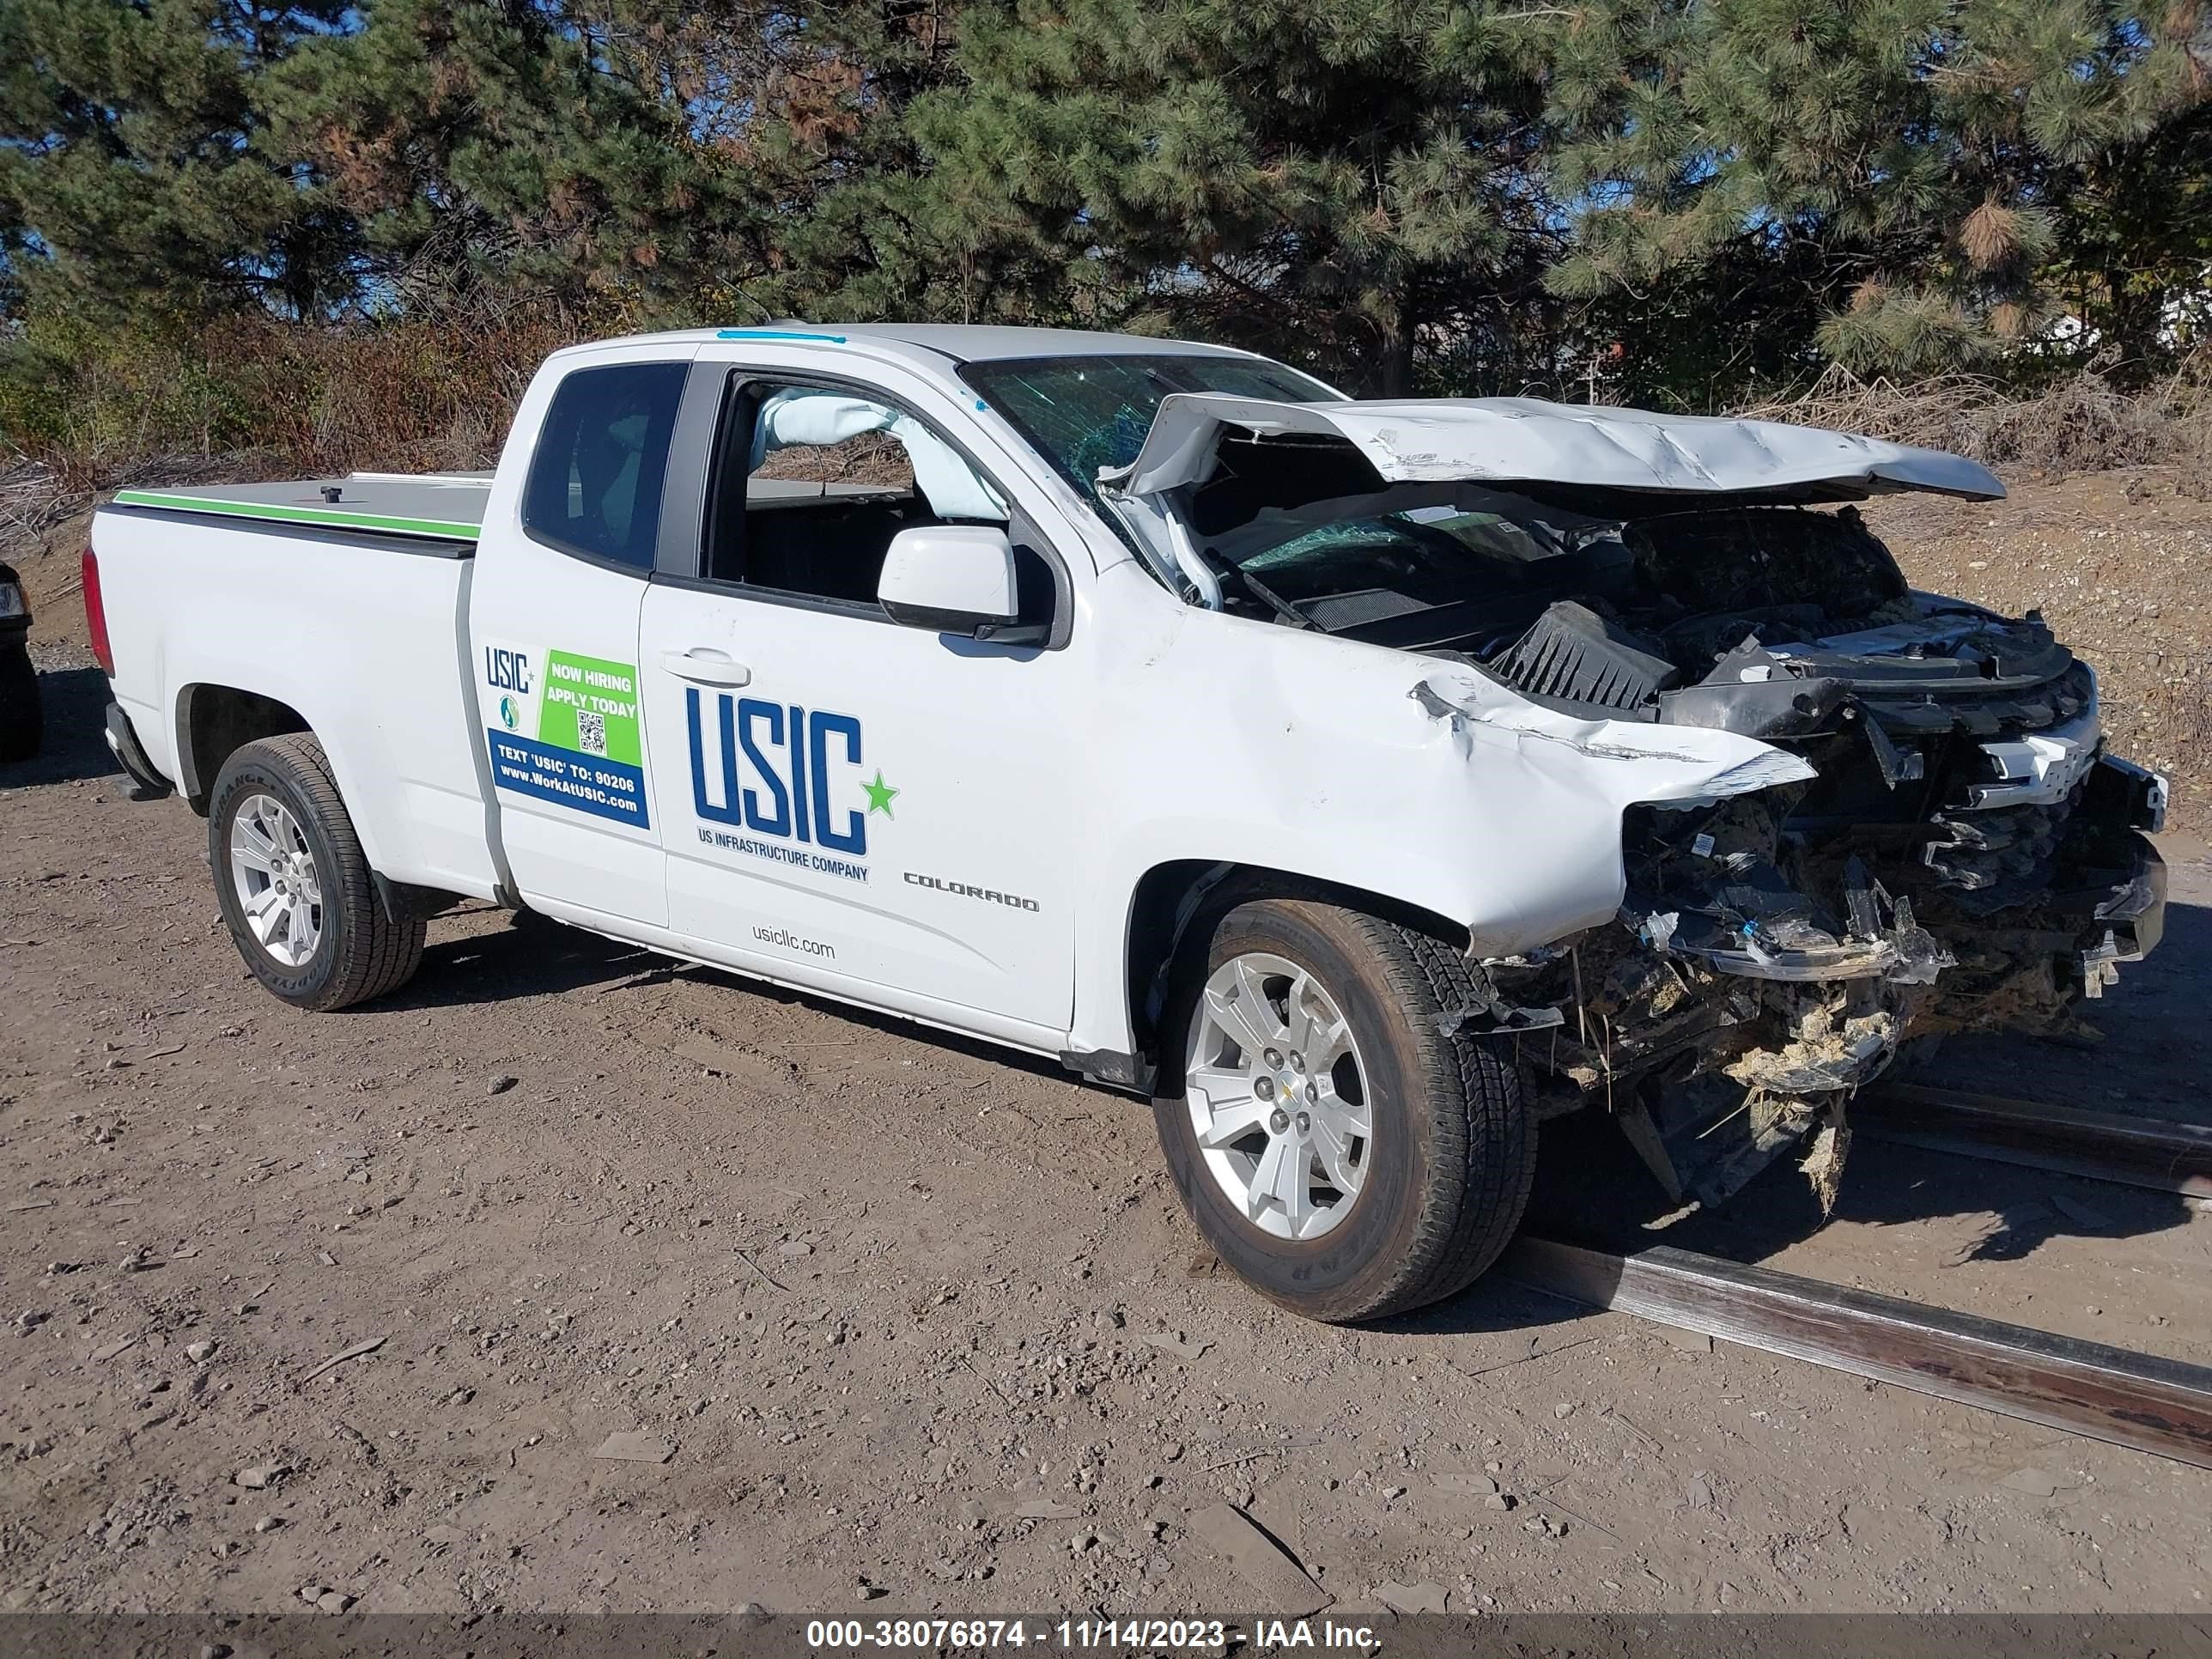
(2159, 1406)
(2136, 1151)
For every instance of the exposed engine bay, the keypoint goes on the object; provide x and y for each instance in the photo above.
(1965, 856)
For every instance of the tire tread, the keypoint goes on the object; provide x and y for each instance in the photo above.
(1482, 1103)
(379, 950)
(1482, 1138)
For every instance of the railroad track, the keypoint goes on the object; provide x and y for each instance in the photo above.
(2136, 1151)
(2154, 1405)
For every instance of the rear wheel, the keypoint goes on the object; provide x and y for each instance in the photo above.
(23, 720)
(1337, 1151)
(295, 885)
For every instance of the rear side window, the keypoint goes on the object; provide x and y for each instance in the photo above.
(595, 481)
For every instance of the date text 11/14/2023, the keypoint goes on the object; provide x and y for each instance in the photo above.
(1116, 1635)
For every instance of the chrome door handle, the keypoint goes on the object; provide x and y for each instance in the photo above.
(706, 665)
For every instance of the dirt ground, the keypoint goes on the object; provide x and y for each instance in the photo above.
(2120, 563)
(920, 1329)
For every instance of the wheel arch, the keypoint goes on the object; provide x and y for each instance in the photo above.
(214, 722)
(1173, 899)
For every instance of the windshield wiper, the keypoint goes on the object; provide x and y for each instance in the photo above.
(1259, 590)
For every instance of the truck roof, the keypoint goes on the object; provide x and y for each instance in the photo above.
(450, 506)
(960, 343)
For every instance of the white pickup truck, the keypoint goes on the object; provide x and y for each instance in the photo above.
(1364, 782)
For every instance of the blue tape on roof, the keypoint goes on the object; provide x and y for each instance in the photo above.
(775, 334)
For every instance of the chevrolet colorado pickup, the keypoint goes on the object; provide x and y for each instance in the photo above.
(1364, 782)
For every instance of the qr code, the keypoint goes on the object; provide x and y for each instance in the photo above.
(591, 732)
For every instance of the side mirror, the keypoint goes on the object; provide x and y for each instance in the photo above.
(954, 579)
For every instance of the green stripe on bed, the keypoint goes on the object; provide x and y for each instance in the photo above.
(334, 517)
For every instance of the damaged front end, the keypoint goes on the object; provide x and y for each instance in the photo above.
(1964, 858)
(1940, 843)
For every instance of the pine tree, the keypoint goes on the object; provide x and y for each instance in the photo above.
(135, 174)
(1920, 155)
(1346, 182)
(505, 148)
(2132, 253)
(864, 228)
(644, 162)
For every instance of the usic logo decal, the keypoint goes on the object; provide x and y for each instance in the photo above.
(786, 774)
(576, 743)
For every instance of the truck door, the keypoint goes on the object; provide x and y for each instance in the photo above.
(847, 803)
(553, 618)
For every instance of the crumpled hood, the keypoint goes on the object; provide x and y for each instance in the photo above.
(1502, 439)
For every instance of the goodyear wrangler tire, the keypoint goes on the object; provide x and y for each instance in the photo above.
(295, 885)
(1348, 1159)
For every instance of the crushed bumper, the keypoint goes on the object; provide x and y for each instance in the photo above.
(2130, 914)
(1761, 975)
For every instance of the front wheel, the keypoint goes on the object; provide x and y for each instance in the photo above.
(1348, 1159)
(295, 885)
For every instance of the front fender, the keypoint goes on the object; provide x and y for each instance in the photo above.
(1413, 779)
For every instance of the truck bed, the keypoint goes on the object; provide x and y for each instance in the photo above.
(442, 506)
(446, 507)
(269, 590)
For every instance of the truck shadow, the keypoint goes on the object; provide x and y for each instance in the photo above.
(1980, 1211)
(1965, 1209)
(2156, 1051)
(75, 746)
(530, 956)
(1590, 1187)
(534, 956)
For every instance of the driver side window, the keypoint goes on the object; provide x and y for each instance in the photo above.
(816, 481)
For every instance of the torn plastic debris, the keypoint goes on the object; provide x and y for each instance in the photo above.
(1479, 1020)
(2135, 908)
(1896, 765)
(1823, 1164)
(1751, 923)
(1486, 1013)
(1824, 1063)
(1745, 694)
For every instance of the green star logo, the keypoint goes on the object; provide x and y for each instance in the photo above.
(880, 795)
